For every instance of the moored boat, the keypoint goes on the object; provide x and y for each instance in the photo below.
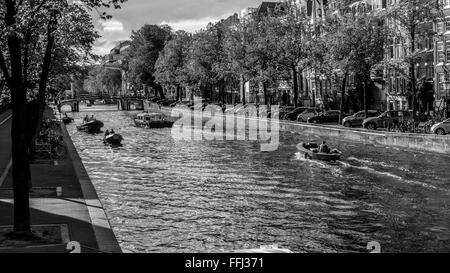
(93, 126)
(152, 120)
(113, 139)
(67, 120)
(264, 249)
(311, 151)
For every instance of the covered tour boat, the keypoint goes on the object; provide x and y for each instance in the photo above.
(311, 151)
(93, 126)
(153, 120)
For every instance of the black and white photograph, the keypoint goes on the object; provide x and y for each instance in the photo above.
(225, 127)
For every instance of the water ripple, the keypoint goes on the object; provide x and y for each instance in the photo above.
(163, 195)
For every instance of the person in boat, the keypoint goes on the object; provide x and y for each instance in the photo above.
(86, 119)
(112, 132)
(92, 118)
(323, 148)
(106, 133)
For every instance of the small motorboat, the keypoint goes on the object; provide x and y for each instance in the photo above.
(113, 139)
(153, 120)
(67, 120)
(93, 126)
(311, 151)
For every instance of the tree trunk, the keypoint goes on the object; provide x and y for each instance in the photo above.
(321, 94)
(39, 113)
(221, 91)
(366, 111)
(21, 172)
(20, 155)
(301, 82)
(161, 92)
(243, 90)
(178, 98)
(344, 83)
(413, 73)
(266, 102)
(295, 85)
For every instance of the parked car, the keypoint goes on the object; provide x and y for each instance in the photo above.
(284, 110)
(331, 116)
(388, 119)
(198, 106)
(441, 128)
(357, 119)
(308, 113)
(168, 102)
(292, 115)
(155, 99)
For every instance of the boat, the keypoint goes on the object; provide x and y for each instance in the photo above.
(113, 139)
(93, 126)
(152, 120)
(311, 151)
(264, 249)
(67, 120)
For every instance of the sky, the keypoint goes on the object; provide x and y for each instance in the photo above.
(189, 15)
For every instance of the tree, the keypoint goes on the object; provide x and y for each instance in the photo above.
(238, 50)
(146, 45)
(31, 30)
(369, 52)
(103, 81)
(339, 43)
(171, 63)
(425, 94)
(290, 38)
(207, 63)
(352, 44)
(261, 49)
(407, 18)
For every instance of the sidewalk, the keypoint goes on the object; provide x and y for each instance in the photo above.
(5, 144)
(59, 198)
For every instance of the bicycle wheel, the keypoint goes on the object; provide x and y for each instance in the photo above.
(41, 155)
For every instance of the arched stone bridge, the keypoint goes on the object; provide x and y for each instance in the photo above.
(74, 105)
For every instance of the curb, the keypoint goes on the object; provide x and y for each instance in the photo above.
(105, 237)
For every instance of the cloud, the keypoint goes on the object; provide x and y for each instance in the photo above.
(112, 25)
(112, 31)
(189, 15)
(191, 25)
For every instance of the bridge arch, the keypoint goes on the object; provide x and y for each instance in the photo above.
(74, 105)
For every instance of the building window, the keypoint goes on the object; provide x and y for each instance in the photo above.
(447, 24)
(440, 27)
(440, 52)
(443, 85)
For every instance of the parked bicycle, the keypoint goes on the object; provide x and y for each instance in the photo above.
(50, 147)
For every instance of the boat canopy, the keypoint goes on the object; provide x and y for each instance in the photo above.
(150, 116)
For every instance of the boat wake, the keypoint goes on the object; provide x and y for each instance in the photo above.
(377, 163)
(364, 165)
(332, 167)
(387, 174)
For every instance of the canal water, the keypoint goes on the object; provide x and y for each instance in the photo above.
(163, 195)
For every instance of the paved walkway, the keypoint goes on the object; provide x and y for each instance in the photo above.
(57, 198)
(5, 144)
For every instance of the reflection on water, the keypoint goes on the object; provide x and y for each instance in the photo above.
(163, 195)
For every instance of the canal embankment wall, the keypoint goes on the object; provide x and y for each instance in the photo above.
(420, 142)
(104, 235)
